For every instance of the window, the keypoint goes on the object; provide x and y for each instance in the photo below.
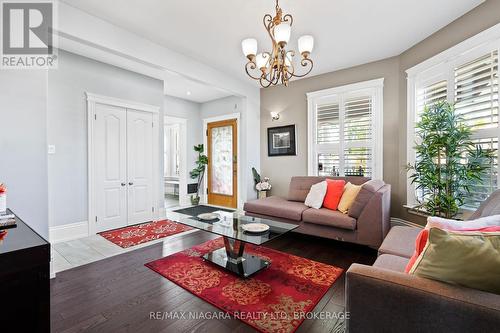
(171, 150)
(345, 130)
(466, 75)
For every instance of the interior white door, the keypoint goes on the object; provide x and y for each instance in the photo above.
(140, 166)
(110, 149)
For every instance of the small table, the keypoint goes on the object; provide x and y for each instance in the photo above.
(232, 256)
(24, 279)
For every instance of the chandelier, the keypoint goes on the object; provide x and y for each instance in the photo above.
(276, 67)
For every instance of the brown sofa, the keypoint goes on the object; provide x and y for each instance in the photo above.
(382, 298)
(367, 222)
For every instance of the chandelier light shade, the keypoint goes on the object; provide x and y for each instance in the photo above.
(282, 33)
(277, 66)
(249, 47)
(306, 44)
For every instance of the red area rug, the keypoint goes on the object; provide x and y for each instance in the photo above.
(273, 300)
(142, 233)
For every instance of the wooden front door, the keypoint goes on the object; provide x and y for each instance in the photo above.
(222, 163)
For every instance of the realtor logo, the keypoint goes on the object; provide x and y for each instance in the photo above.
(27, 39)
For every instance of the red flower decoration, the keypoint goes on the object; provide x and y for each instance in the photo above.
(3, 189)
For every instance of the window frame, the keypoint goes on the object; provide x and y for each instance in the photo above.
(374, 88)
(442, 67)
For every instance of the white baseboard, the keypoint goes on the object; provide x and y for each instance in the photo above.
(398, 221)
(66, 232)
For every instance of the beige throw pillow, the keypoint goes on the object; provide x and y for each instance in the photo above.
(350, 193)
(316, 195)
(466, 258)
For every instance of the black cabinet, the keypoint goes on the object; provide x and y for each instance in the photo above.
(24, 280)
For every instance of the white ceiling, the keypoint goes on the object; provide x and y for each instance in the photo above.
(347, 32)
(179, 86)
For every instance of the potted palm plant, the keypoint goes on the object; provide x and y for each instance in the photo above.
(448, 163)
(198, 172)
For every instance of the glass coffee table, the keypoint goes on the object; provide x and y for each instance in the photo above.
(232, 256)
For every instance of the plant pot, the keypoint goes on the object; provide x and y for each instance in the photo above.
(195, 201)
(262, 194)
(3, 203)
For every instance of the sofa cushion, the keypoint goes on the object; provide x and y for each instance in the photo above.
(276, 206)
(365, 194)
(350, 193)
(334, 190)
(400, 241)
(468, 258)
(316, 195)
(391, 262)
(300, 185)
(328, 217)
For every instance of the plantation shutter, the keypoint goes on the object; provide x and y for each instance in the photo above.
(328, 130)
(431, 94)
(358, 119)
(476, 99)
(358, 136)
(476, 92)
(344, 136)
(328, 165)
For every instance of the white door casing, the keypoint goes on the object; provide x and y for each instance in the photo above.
(139, 166)
(111, 171)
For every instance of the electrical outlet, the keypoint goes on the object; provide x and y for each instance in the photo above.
(51, 149)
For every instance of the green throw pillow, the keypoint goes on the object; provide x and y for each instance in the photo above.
(470, 259)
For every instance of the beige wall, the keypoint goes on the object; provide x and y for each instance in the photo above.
(291, 102)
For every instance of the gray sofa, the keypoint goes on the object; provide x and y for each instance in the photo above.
(383, 298)
(367, 222)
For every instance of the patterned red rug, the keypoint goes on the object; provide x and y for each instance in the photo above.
(142, 233)
(273, 300)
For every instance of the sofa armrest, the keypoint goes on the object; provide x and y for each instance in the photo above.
(374, 221)
(380, 300)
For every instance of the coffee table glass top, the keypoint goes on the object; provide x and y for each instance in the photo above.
(229, 225)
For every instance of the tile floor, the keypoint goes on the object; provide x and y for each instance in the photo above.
(77, 252)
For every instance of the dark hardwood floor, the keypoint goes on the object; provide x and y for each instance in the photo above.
(118, 294)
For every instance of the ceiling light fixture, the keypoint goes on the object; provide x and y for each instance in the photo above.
(276, 67)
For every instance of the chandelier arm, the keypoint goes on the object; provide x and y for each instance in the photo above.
(288, 18)
(267, 20)
(262, 79)
(304, 62)
(290, 70)
(277, 77)
(251, 65)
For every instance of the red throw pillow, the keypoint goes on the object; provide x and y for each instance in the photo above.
(420, 243)
(334, 191)
(423, 236)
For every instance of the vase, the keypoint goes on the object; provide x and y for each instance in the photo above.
(195, 201)
(3, 203)
(262, 194)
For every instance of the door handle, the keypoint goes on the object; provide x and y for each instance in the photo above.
(130, 183)
(123, 184)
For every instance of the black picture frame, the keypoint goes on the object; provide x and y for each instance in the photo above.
(281, 141)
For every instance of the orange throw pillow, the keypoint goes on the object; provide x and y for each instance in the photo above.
(334, 191)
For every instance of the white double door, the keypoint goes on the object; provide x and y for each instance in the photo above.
(123, 146)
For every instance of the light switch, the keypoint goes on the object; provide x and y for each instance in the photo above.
(52, 149)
